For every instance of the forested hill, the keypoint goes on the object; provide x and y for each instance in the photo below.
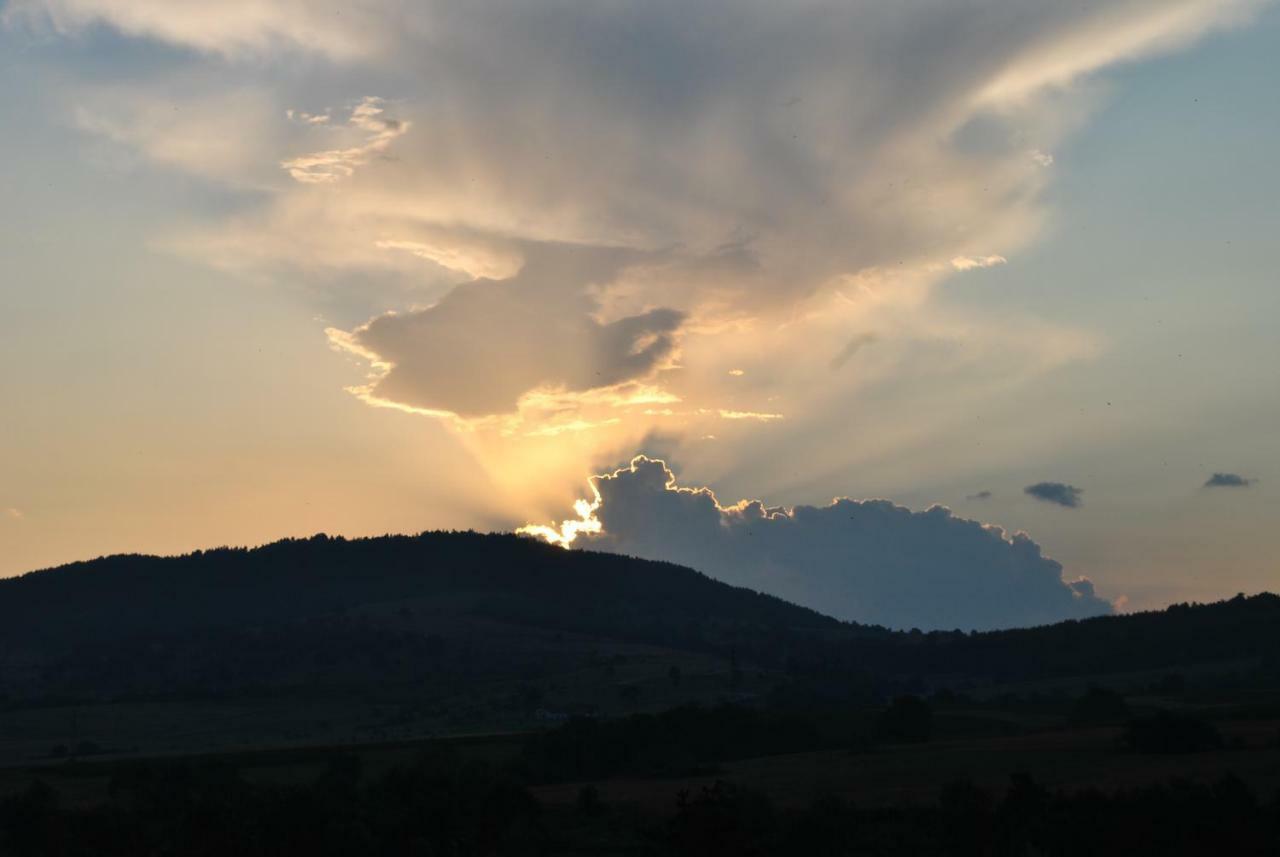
(1240, 635)
(465, 606)
(504, 577)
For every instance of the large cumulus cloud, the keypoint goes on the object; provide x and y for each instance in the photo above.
(862, 560)
(753, 155)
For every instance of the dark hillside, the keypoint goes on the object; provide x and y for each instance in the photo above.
(1244, 631)
(501, 576)
(447, 610)
(336, 615)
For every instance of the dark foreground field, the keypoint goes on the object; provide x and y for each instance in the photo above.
(838, 781)
(459, 694)
(892, 776)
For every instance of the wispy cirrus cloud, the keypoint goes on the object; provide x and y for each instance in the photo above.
(233, 29)
(186, 125)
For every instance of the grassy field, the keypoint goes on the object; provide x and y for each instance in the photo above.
(609, 679)
(884, 776)
(1074, 759)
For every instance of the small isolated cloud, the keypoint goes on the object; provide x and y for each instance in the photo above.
(1056, 492)
(1044, 159)
(1228, 480)
(968, 263)
(869, 561)
(758, 416)
(15, 513)
(981, 495)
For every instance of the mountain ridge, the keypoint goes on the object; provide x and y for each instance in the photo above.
(431, 597)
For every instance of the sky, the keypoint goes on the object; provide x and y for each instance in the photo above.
(274, 268)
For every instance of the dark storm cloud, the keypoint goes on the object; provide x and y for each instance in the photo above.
(863, 560)
(1055, 492)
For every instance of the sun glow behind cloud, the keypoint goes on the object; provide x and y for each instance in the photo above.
(569, 529)
(728, 221)
(861, 560)
(729, 235)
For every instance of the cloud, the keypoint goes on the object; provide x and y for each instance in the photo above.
(1044, 159)
(560, 226)
(749, 415)
(1055, 492)
(981, 495)
(235, 29)
(868, 561)
(1228, 480)
(968, 263)
(15, 513)
(185, 126)
(333, 165)
(757, 159)
(488, 343)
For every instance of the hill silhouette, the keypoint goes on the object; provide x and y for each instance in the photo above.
(500, 576)
(458, 607)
